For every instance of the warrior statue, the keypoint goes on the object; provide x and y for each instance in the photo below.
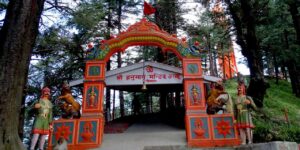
(42, 125)
(244, 123)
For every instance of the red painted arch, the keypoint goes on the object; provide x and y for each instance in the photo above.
(164, 49)
(143, 33)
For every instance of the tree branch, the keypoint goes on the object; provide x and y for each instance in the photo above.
(59, 6)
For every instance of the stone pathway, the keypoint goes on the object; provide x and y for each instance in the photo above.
(140, 135)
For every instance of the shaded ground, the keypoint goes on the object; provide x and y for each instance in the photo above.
(146, 131)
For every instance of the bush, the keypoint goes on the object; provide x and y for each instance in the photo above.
(271, 130)
(262, 131)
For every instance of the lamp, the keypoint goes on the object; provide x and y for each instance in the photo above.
(144, 87)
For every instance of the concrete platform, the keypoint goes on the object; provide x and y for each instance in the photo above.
(140, 135)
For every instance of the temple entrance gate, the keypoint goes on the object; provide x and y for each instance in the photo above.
(202, 130)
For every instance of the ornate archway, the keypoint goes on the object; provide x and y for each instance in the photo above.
(202, 130)
(141, 33)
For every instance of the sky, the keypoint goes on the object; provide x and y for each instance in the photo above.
(242, 67)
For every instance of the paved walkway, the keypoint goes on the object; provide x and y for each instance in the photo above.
(142, 134)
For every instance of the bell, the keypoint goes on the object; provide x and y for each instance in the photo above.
(144, 88)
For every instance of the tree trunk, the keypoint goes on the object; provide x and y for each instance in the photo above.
(170, 100)
(114, 106)
(22, 112)
(293, 8)
(148, 107)
(211, 59)
(294, 76)
(250, 49)
(17, 39)
(292, 68)
(215, 64)
(162, 101)
(107, 105)
(283, 71)
(107, 100)
(177, 99)
(121, 94)
(276, 67)
(108, 64)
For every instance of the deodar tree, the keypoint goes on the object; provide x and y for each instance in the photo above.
(244, 21)
(17, 38)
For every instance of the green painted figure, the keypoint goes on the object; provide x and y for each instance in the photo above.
(244, 123)
(43, 120)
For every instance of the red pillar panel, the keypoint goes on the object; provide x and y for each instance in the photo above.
(192, 68)
(194, 94)
(93, 97)
(95, 71)
(89, 133)
(63, 128)
(198, 130)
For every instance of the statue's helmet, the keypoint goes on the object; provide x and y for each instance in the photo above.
(45, 92)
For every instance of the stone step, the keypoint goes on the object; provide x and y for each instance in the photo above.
(182, 147)
(276, 145)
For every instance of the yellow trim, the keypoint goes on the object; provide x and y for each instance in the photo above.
(141, 39)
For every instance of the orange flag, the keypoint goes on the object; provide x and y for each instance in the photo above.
(228, 65)
(148, 9)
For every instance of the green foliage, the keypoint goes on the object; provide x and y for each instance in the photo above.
(280, 97)
(169, 15)
(270, 121)
(88, 18)
(277, 33)
(268, 130)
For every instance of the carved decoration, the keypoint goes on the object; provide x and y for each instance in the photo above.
(198, 130)
(223, 127)
(63, 132)
(87, 133)
(195, 92)
(92, 98)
